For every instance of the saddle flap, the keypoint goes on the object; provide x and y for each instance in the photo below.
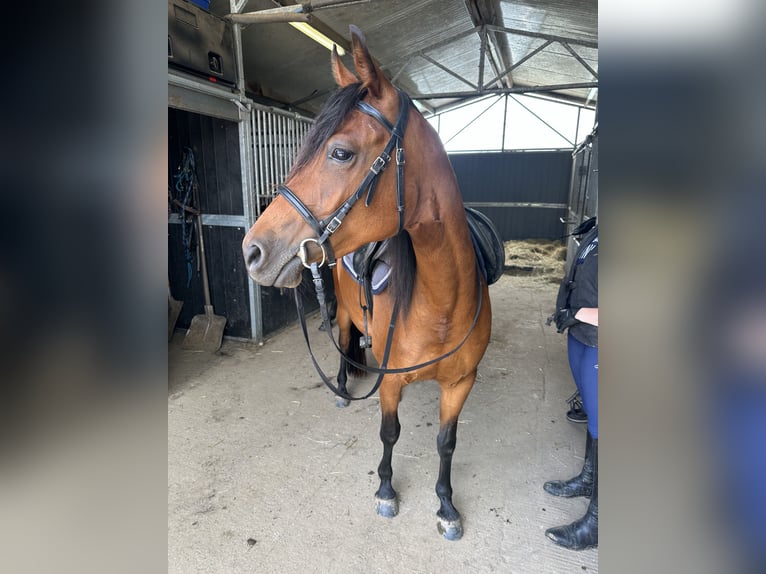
(487, 244)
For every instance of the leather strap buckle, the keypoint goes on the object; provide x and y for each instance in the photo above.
(333, 225)
(380, 163)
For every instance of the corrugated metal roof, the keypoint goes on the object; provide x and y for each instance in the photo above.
(431, 48)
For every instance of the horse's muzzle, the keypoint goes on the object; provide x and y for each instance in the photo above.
(271, 266)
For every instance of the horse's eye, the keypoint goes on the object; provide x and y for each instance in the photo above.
(341, 154)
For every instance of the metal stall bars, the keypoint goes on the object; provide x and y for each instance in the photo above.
(277, 136)
(269, 139)
(583, 191)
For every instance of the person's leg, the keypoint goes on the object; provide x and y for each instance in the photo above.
(583, 533)
(574, 355)
(576, 413)
(588, 384)
(581, 363)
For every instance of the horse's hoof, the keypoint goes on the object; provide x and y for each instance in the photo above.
(341, 403)
(450, 529)
(387, 508)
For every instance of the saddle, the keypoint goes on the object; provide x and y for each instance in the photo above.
(487, 245)
(370, 265)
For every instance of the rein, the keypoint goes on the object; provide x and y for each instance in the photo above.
(382, 370)
(326, 227)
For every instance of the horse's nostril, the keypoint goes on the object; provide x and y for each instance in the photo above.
(253, 255)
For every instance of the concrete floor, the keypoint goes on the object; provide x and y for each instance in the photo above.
(266, 475)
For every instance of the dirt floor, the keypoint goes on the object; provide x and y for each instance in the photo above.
(267, 475)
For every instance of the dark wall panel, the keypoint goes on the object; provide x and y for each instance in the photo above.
(216, 149)
(536, 177)
(229, 284)
(526, 222)
(278, 305)
(226, 274)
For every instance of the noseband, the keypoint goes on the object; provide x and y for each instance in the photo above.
(324, 228)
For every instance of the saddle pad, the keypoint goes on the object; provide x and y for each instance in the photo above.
(487, 244)
(355, 265)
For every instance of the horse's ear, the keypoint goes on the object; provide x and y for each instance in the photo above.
(343, 76)
(371, 75)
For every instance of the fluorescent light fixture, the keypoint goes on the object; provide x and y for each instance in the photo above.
(317, 36)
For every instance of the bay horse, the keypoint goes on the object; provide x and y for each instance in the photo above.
(437, 297)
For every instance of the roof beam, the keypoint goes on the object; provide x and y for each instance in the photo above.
(495, 46)
(537, 50)
(284, 12)
(482, 53)
(433, 46)
(580, 59)
(561, 39)
(484, 88)
(450, 72)
(423, 53)
(513, 90)
(542, 120)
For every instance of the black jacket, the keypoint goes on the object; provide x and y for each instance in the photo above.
(580, 287)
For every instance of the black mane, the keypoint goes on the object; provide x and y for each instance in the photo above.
(332, 114)
(403, 270)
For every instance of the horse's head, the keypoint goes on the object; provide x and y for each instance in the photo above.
(331, 178)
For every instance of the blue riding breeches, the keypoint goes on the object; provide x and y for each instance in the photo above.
(583, 360)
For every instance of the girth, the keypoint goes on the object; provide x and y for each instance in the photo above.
(370, 267)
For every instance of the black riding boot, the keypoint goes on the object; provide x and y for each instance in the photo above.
(580, 485)
(582, 533)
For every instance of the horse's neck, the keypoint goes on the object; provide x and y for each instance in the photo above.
(443, 243)
(438, 230)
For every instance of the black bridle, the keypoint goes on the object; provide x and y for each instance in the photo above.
(326, 227)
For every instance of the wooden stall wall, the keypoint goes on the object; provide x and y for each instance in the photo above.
(216, 149)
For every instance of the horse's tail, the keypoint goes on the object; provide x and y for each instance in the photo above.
(355, 353)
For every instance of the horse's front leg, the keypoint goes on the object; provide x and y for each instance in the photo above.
(452, 399)
(342, 380)
(386, 503)
(344, 342)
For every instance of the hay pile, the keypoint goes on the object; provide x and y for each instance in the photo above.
(541, 258)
